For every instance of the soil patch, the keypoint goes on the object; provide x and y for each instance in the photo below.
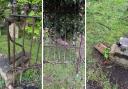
(117, 75)
(92, 84)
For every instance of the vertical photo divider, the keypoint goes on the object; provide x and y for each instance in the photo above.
(85, 39)
(42, 38)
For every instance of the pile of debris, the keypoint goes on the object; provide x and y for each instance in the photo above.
(118, 53)
(117, 59)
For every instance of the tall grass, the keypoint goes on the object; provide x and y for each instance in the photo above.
(30, 75)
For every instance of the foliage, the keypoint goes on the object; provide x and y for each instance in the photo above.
(38, 25)
(37, 29)
(30, 1)
(64, 17)
(65, 25)
(62, 5)
(106, 53)
(3, 9)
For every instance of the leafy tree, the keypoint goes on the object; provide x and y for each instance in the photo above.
(5, 11)
(38, 25)
(64, 17)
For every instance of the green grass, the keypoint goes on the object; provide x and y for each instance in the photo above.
(31, 74)
(62, 76)
(105, 23)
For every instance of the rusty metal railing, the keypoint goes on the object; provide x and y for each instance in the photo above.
(23, 60)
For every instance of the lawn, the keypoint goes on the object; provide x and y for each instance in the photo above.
(31, 75)
(106, 22)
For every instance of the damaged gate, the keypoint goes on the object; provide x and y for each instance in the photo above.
(62, 56)
(24, 48)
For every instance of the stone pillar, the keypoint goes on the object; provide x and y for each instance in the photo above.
(11, 30)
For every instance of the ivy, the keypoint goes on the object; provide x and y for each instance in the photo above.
(65, 17)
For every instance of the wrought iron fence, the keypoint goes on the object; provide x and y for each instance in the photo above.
(24, 53)
(62, 52)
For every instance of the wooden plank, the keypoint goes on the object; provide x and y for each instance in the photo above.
(100, 47)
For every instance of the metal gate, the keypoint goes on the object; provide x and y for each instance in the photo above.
(24, 53)
(61, 56)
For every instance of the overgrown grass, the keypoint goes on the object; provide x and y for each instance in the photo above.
(30, 75)
(106, 22)
(62, 76)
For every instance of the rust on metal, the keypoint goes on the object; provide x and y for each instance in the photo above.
(19, 60)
